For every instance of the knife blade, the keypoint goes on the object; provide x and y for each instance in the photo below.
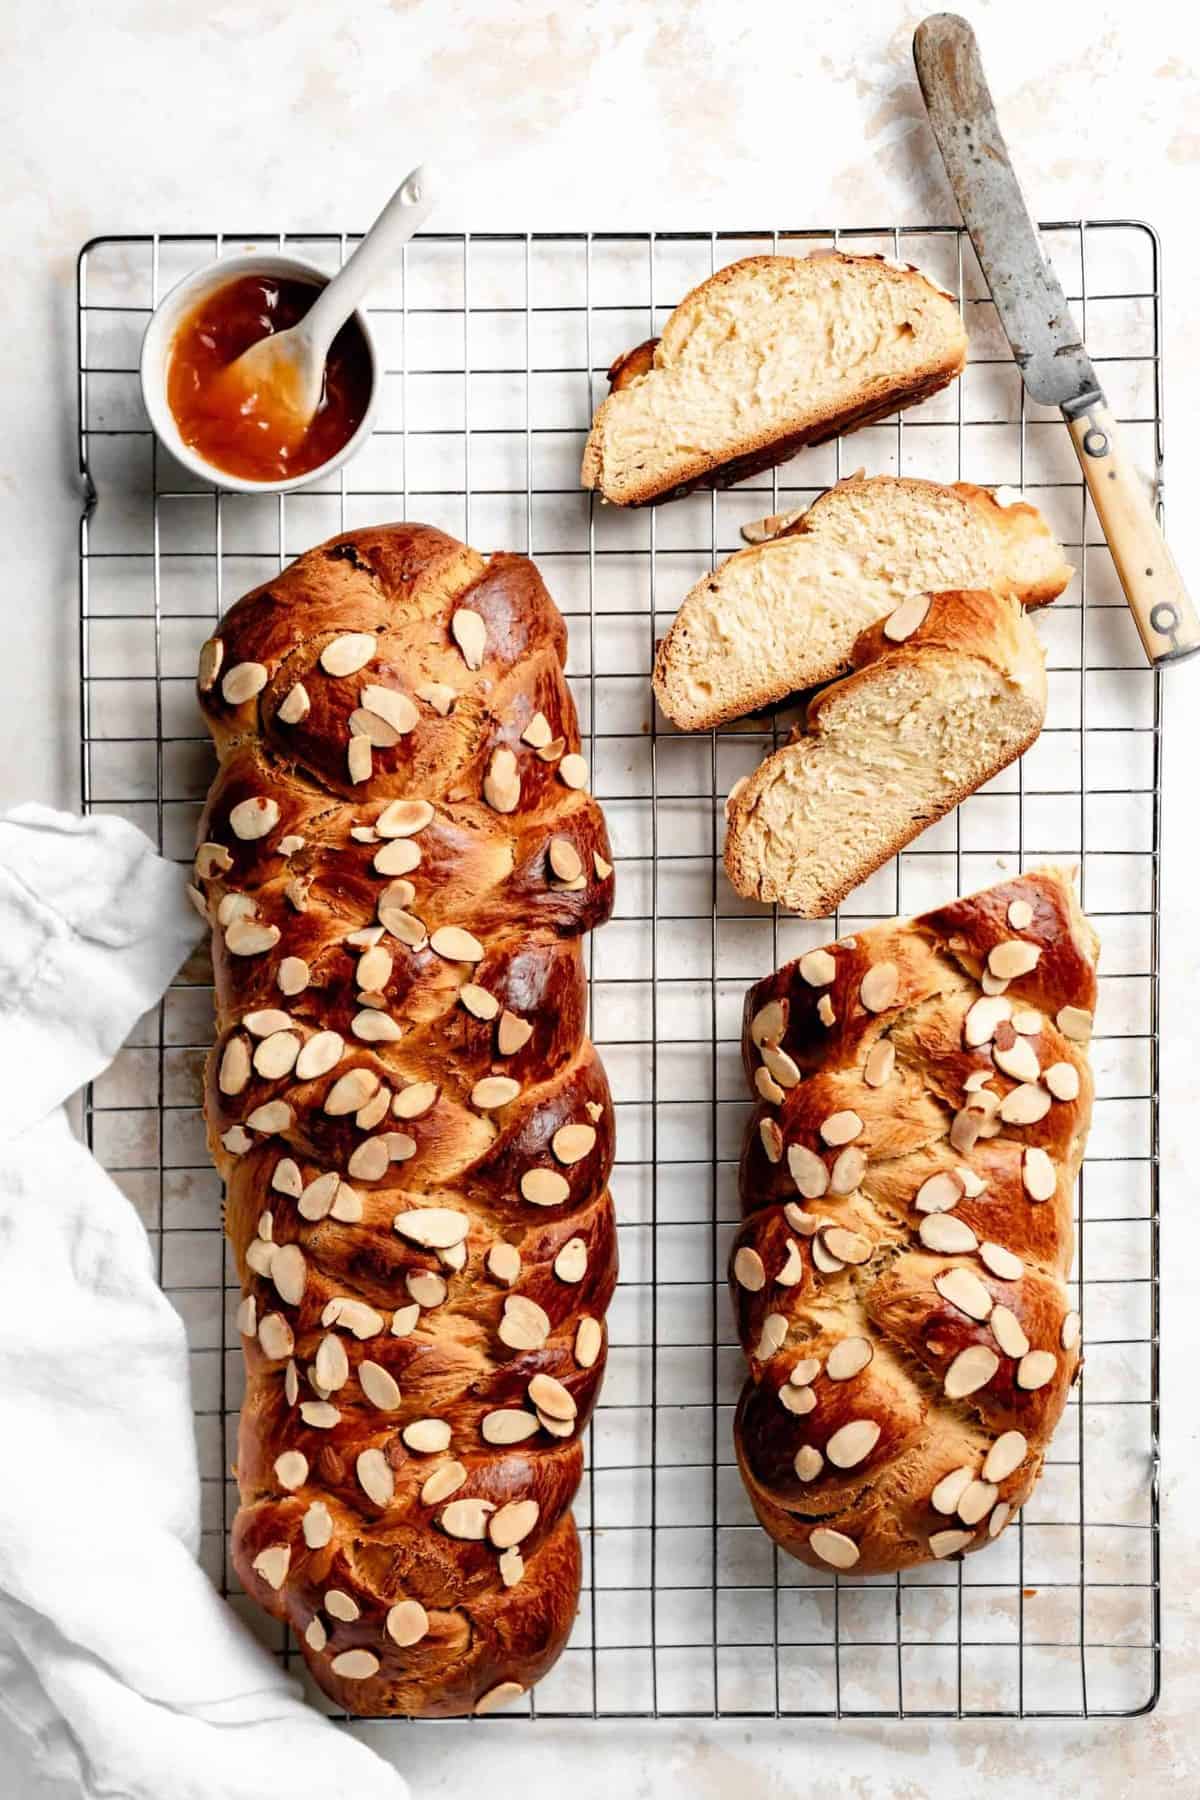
(1045, 339)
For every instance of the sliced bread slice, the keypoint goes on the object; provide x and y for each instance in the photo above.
(949, 690)
(768, 355)
(784, 615)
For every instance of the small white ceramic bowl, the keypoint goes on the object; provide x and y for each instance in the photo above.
(156, 352)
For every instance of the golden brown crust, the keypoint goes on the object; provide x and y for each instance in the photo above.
(325, 1522)
(880, 395)
(913, 1333)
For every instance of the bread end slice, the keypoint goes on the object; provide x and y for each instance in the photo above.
(766, 356)
(948, 691)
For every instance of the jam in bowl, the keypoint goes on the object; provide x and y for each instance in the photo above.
(234, 438)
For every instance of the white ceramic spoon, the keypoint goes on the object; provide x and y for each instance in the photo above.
(285, 373)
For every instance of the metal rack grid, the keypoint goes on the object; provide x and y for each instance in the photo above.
(495, 348)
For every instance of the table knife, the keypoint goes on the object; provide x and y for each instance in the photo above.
(1045, 340)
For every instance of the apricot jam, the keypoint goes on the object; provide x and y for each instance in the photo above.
(250, 440)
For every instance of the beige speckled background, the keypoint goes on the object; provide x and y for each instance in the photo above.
(129, 114)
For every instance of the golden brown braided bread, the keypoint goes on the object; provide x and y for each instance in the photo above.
(400, 858)
(907, 1180)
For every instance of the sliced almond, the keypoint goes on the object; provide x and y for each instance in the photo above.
(908, 617)
(212, 860)
(469, 632)
(1026, 1022)
(513, 1033)
(603, 869)
(378, 732)
(391, 705)
(375, 1476)
(502, 782)
(319, 1414)
(276, 1337)
(965, 1291)
(319, 1054)
(398, 856)
(1005, 1456)
(880, 1063)
(825, 1011)
(939, 1193)
(467, 1519)
(780, 1066)
(248, 937)
(589, 1337)
(808, 1463)
(341, 1605)
(999, 1519)
(949, 1543)
(768, 1088)
(407, 1623)
(571, 1262)
(351, 1091)
(295, 705)
(848, 1358)
(247, 1316)
(1038, 1174)
(524, 1324)
(1001, 1262)
(348, 654)
(358, 759)
(276, 1055)
(212, 655)
(237, 1140)
(553, 750)
(1072, 1327)
(748, 1270)
(427, 1436)
(503, 1694)
(433, 1227)
(369, 1160)
(950, 1490)
(494, 1091)
(1075, 1022)
(545, 1187)
(771, 1139)
(573, 771)
(274, 1116)
(537, 734)
(406, 1318)
(772, 1337)
(948, 1235)
(565, 859)
(445, 1480)
(413, 1101)
(478, 1001)
(853, 1443)
(1062, 1078)
(970, 1370)
(551, 1397)
(426, 1288)
(1012, 958)
(242, 682)
(798, 1400)
(512, 1524)
(380, 1387)
(1019, 1061)
(456, 945)
(808, 1171)
(769, 1023)
(331, 1365)
(841, 1128)
(792, 1270)
(1036, 1369)
(271, 1565)
(1025, 1105)
(991, 984)
(833, 1547)
(1020, 915)
(879, 986)
(818, 968)
(355, 1665)
(234, 1072)
(979, 1025)
(260, 1255)
(512, 1567)
(848, 1246)
(438, 695)
(292, 976)
(291, 1470)
(508, 1426)
(571, 1143)
(504, 1262)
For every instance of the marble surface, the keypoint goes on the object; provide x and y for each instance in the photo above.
(131, 114)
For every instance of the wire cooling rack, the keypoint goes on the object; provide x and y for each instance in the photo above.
(495, 350)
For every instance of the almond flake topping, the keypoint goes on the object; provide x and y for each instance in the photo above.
(212, 859)
(808, 1463)
(908, 617)
(841, 1128)
(537, 734)
(445, 1480)
(948, 1235)
(879, 986)
(317, 1525)
(319, 1414)
(426, 1288)
(1019, 1060)
(438, 695)
(880, 1063)
(512, 1034)
(1038, 1174)
(818, 968)
(212, 655)
(853, 1443)
(970, 1370)
(1062, 1078)
(767, 1088)
(456, 945)
(769, 1023)
(524, 1324)
(1025, 1105)
(939, 1193)
(748, 1270)
(950, 1490)
(808, 1171)
(793, 1266)
(551, 1397)
(513, 1523)
(1071, 1328)
(502, 783)
(772, 1337)
(1012, 958)
(588, 1339)
(965, 1291)
(341, 1605)
(275, 1116)
(1005, 1456)
(1075, 1022)
(949, 1543)
(571, 1143)
(1001, 1262)
(849, 1357)
(571, 1262)
(1020, 915)
(494, 1091)
(291, 1470)
(508, 1426)
(433, 1227)
(1035, 1369)
(242, 682)
(833, 1547)
(470, 634)
(407, 1623)
(427, 1436)
(979, 1026)
(467, 1519)
(350, 1091)
(1008, 1332)
(295, 705)
(275, 1337)
(271, 1565)
(348, 654)
(573, 771)
(397, 856)
(545, 1187)
(565, 860)
(247, 937)
(772, 1140)
(292, 976)
(503, 1694)
(355, 1665)
(234, 1072)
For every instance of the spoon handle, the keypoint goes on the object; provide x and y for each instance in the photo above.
(401, 219)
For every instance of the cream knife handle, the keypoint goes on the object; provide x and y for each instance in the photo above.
(1165, 617)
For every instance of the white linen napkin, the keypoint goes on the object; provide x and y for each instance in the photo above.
(119, 1662)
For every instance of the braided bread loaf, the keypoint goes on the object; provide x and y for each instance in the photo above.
(907, 1181)
(400, 859)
